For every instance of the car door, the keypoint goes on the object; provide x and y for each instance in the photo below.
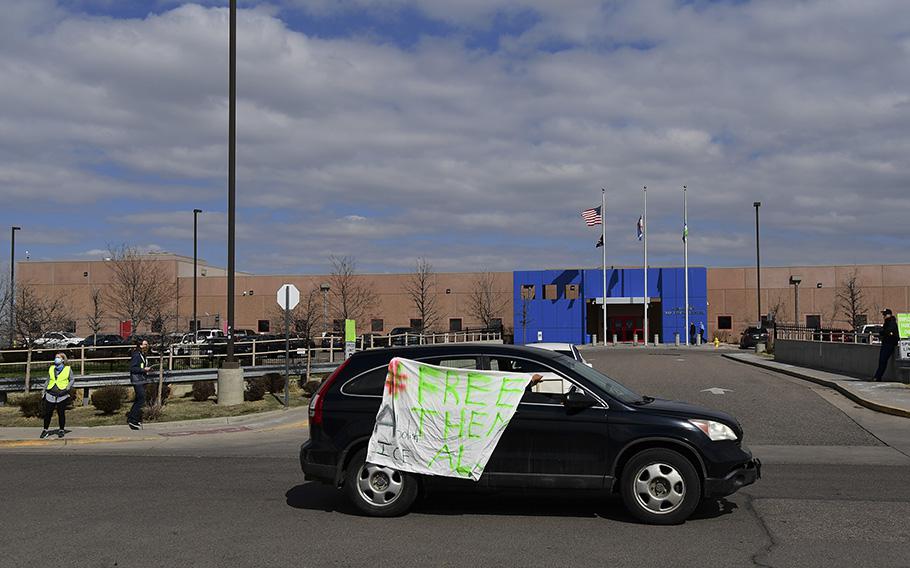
(547, 444)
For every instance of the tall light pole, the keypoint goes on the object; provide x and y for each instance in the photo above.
(12, 285)
(795, 281)
(325, 307)
(757, 204)
(232, 198)
(196, 212)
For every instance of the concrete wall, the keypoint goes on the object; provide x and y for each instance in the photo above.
(853, 359)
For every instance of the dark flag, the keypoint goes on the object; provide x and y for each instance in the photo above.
(600, 242)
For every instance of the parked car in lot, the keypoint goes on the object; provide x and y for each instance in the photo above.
(400, 336)
(870, 333)
(663, 457)
(58, 340)
(566, 349)
(752, 336)
(103, 340)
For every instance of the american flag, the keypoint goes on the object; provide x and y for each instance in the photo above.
(592, 216)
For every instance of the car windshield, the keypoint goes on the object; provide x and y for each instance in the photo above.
(605, 383)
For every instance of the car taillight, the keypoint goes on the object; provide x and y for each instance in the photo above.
(318, 399)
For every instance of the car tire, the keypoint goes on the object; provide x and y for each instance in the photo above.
(660, 487)
(379, 491)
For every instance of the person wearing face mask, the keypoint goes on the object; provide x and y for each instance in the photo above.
(139, 369)
(56, 394)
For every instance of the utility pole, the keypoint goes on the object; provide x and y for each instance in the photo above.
(757, 204)
(325, 307)
(196, 212)
(12, 286)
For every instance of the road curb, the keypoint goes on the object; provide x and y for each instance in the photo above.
(70, 442)
(847, 392)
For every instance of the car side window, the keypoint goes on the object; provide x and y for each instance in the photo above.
(452, 362)
(370, 383)
(551, 390)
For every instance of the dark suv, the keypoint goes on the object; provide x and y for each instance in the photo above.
(581, 430)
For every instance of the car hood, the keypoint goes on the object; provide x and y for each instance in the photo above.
(687, 410)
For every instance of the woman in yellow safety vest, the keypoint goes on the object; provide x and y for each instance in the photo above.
(56, 394)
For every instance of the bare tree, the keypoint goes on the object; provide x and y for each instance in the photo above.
(35, 316)
(6, 332)
(421, 289)
(525, 316)
(352, 298)
(851, 301)
(139, 286)
(776, 306)
(163, 317)
(486, 303)
(95, 317)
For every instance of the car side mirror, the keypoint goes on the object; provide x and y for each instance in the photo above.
(576, 400)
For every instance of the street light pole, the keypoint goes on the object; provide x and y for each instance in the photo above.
(757, 204)
(12, 286)
(232, 152)
(196, 212)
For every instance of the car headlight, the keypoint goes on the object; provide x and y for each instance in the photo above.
(714, 430)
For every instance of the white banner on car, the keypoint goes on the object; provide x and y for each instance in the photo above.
(442, 421)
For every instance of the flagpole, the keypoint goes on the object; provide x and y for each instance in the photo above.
(603, 226)
(686, 257)
(644, 230)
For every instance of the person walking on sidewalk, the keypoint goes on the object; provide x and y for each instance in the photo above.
(889, 337)
(56, 394)
(139, 368)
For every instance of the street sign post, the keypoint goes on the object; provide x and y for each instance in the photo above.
(288, 297)
(350, 337)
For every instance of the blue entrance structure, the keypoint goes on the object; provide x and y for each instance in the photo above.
(565, 305)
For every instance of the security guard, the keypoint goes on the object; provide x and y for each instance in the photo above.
(56, 394)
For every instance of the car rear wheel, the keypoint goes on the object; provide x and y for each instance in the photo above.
(379, 491)
(660, 487)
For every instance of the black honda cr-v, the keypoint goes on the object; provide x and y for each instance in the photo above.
(578, 429)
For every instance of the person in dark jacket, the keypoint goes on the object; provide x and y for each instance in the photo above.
(139, 368)
(692, 333)
(55, 394)
(889, 337)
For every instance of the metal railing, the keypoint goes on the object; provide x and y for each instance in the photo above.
(92, 360)
(802, 333)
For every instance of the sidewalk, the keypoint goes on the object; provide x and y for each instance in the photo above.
(18, 437)
(890, 398)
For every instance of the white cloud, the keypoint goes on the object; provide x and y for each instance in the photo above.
(468, 156)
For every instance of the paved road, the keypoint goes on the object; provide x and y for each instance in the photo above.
(833, 495)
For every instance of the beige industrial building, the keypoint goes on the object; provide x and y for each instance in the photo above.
(732, 302)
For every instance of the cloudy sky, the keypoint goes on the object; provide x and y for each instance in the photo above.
(472, 132)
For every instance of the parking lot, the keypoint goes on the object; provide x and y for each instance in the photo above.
(831, 495)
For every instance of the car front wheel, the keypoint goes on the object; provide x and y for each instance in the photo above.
(660, 487)
(377, 490)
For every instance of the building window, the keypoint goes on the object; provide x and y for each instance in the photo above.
(549, 292)
(861, 320)
(454, 324)
(71, 326)
(416, 323)
(571, 291)
(337, 325)
(724, 322)
(527, 292)
(264, 326)
(376, 325)
(496, 324)
(157, 324)
(814, 322)
(767, 321)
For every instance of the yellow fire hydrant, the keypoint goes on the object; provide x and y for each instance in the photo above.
(716, 342)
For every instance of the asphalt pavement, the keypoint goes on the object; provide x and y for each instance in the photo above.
(832, 495)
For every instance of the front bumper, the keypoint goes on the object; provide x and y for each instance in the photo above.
(740, 477)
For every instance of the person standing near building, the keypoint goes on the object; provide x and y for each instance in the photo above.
(56, 394)
(889, 337)
(692, 333)
(701, 331)
(139, 369)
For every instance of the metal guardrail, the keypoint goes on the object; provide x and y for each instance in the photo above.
(87, 382)
(802, 333)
